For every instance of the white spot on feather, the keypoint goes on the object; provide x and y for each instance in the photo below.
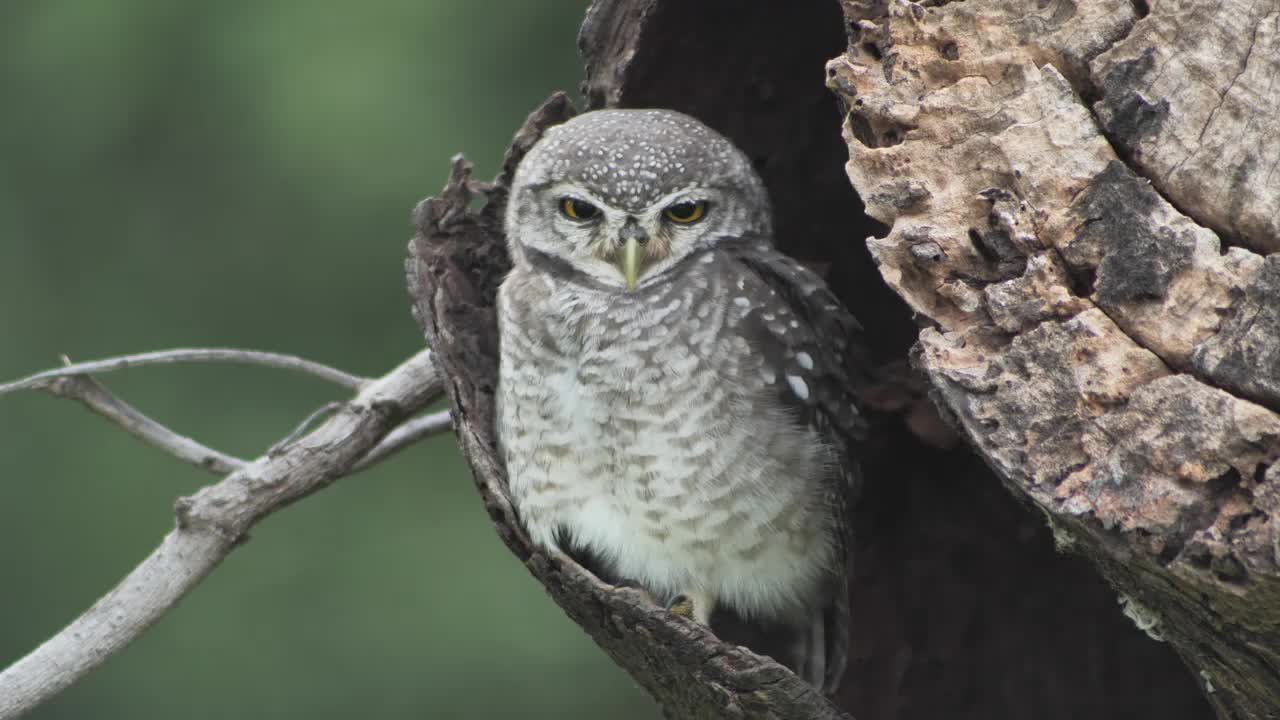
(798, 386)
(805, 360)
(741, 301)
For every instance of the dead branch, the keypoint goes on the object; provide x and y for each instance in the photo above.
(216, 519)
(192, 355)
(97, 398)
(104, 403)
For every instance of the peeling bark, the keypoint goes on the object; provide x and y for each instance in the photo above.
(1191, 98)
(1097, 346)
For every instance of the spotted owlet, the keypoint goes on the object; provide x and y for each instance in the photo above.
(673, 402)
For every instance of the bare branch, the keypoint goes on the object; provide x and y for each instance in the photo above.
(404, 436)
(210, 524)
(192, 355)
(101, 401)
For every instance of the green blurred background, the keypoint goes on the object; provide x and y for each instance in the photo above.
(241, 173)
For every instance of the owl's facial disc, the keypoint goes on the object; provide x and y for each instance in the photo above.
(623, 243)
(615, 242)
(587, 180)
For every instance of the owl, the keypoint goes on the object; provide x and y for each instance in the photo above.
(674, 399)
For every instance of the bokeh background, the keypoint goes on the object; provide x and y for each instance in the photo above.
(241, 173)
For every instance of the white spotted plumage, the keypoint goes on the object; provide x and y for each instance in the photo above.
(674, 459)
(687, 436)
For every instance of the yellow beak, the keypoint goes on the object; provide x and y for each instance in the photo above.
(631, 263)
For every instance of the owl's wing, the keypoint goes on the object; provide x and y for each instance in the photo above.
(817, 346)
(804, 331)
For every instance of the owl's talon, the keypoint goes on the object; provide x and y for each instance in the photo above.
(682, 605)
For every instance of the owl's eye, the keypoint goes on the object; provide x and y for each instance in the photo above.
(579, 210)
(687, 212)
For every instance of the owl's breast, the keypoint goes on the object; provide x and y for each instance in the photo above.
(649, 431)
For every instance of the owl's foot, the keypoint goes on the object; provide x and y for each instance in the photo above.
(681, 605)
(691, 606)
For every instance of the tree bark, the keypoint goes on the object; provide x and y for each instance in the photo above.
(1069, 205)
(1110, 356)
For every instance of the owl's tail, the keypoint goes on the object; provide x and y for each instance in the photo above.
(819, 652)
(815, 646)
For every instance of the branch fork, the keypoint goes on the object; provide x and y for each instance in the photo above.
(212, 522)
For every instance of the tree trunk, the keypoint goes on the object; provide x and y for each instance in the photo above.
(1070, 205)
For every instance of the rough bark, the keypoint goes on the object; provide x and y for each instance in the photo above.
(1115, 368)
(1190, 98)
(1110, 358)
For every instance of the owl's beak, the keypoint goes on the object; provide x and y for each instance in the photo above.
(632, 237)
(631, 262)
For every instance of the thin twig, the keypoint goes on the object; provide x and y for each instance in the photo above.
(404, 436)
(192, 355)
(307, 422)
(101, 401)
(210, 525)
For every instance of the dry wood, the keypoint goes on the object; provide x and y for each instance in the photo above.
(213, 522)
(238, 356)
(1108, 356)
(1191, 99)
(97, 398)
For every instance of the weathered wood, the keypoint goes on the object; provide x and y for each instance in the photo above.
(1191, 98)
(1096, 345)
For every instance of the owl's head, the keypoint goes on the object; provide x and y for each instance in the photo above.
(619, 197)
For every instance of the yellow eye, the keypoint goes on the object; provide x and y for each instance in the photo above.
(686, 212)
(579, 210)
